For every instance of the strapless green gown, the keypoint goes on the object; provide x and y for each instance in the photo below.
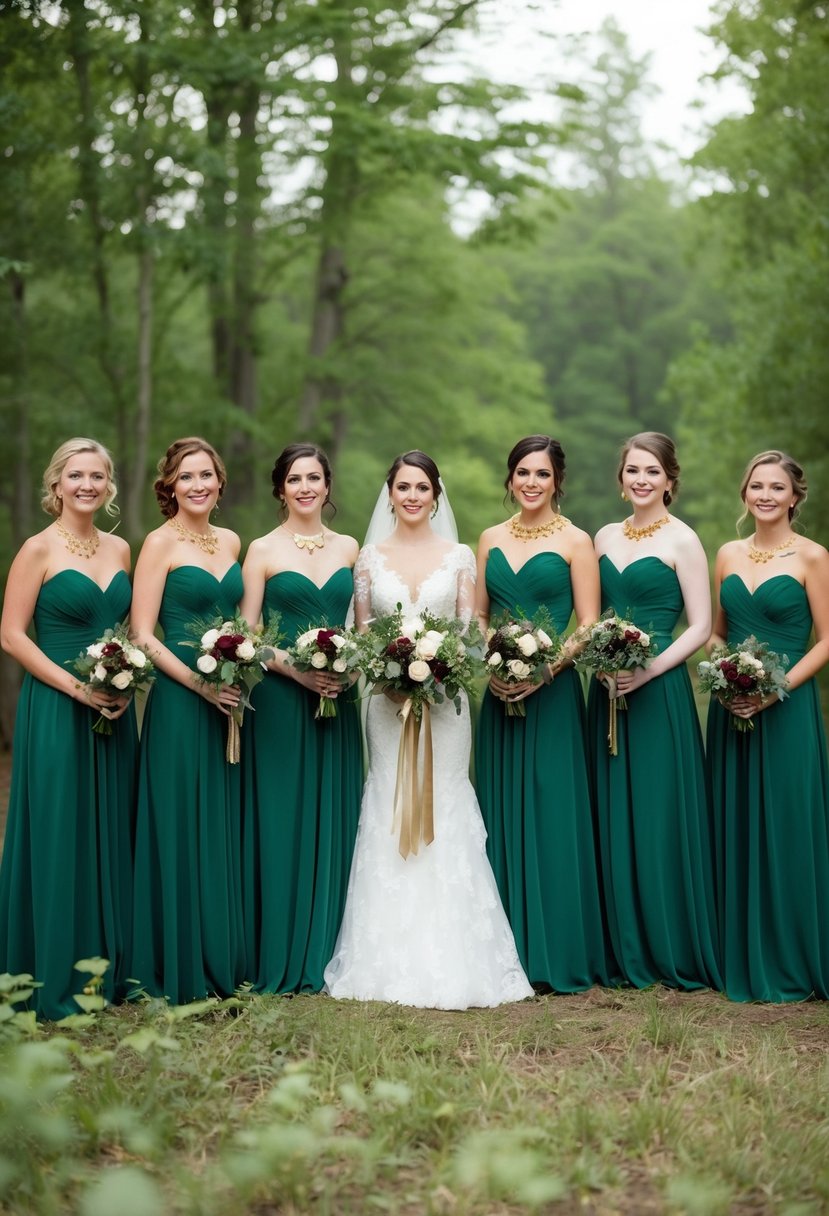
(66, 878)
(188, 938)
(654, 816)
(302, 781)
(534, 790)
(770, 789)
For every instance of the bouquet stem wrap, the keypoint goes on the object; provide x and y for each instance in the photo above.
(413, 794)
(234, 724)
(614, 705)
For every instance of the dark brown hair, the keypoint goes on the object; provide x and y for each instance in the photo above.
(300, 451)
(538, 443)
(170, 464)
(662, 447)
(418, 460)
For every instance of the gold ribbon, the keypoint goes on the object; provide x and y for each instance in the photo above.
(615, 704)
(413, 794)
(233, 726)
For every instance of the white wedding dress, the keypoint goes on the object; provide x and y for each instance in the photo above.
(429, 931)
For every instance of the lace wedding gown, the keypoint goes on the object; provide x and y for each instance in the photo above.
(429, 931)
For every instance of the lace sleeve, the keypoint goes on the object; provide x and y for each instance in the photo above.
(362, 588)
(465, 605)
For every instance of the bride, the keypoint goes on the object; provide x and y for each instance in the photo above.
(429, 930)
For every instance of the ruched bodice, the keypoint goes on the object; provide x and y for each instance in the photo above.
(543, 581)
(646, 592)
(301, 604)
(72, 611)
(193, 594)
(777, 613)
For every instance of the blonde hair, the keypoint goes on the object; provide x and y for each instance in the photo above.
(51, 502)
(170, 463)
(792, 469)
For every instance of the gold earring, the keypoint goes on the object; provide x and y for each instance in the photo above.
(623, 496)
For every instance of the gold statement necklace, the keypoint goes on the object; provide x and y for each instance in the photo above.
(522, 532)
(208, 542)
(761, 556)
(76, 544)
(638, 534)
(317, 541)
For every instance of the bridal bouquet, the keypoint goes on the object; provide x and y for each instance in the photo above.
(233, 654)
(428, 660)
(750, 669)
(116, 664)
(519, 650)
(610, 646)
(324, 649)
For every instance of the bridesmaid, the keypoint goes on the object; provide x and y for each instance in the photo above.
(66, 878)
(302, 777)
(771, 785)
(532, 772)
(188, 940)
(653, 811)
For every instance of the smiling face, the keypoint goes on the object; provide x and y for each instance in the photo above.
(533, 482)
(305, 490)
(83, 483)
(411, 494)
(643, 478)
(196, 486)
(769, 494)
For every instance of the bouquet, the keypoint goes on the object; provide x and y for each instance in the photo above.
(519, 650)
(428, 660)
(750, 669)
(323, 649)
(117, 665)
(613, 645)
(234, 654)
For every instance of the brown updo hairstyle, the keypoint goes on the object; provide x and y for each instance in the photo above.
(287, 457)
(417, 460)
(51, 502)
(170, 464)
(790, 466)
(662, 447)
(538, 443)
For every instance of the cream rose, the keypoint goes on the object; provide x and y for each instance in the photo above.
(305, 639)
(319, 660)
(543, 638)
(136, 658)
(100, 672)
(245, 651)
(527, 645)
(644, 639)
(340, 665)
(338, 640)
(419, 671)
(209, 639)
(206, 663)
(494, 659)
(427, 646)
(520, 670)
(411, 628)
(122, 680)
(95, 650)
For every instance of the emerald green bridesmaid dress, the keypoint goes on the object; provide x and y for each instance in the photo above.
(302, 781)
(654, 816)
(188, 937)
(770, 789)
(534, 791)
(66, 878)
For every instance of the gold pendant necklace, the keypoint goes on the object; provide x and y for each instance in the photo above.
(522, 532)
(208, 542)
(761, 556)
(317, 541)
(76, 544)
(638, 534)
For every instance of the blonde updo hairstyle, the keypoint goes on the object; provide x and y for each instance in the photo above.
(794, 472)
(662, 448)
(51, 501)
(170, 464)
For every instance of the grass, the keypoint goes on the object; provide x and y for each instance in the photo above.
(611, 1102)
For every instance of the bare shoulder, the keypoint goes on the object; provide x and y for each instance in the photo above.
(730, 550)
(492, 536)
(36, 549)
(814, 555)
(578, 538)
(684, 536)
(228, 537)
(116, 545)
(606, 535)
(348, 546)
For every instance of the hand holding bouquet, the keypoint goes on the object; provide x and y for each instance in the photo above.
(518, 651)
(232, 655)
(114, 665)
(749, 670)
(332, 650)
(613, 645)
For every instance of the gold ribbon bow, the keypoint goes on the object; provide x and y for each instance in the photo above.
(413, 793)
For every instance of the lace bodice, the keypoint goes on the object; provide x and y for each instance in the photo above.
(449, 590)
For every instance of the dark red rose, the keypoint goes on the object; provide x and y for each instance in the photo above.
(110, 649)
(632, 635)
(400, 648)
(227, 643)
(325, 644)
(730, 672)
(439, 669)
(745, 682)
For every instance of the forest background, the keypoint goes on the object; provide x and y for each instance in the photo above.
(254, 221)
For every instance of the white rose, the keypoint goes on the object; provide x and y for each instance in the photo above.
(512, 628)
(95, 650)
(227, 627)
(100, 672)
(520, 670)
(543, 639)
(426, 647)
(761, 671)
(245, 651)
(305, 639)
(419, 671)
(122, 680)
(494, 659)
(209, 639)
(411, 627)
(319, 660)
(527, 645)
(338, 640)
(136, 658)
(644, 638)
(206, 663)
(340, 665)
